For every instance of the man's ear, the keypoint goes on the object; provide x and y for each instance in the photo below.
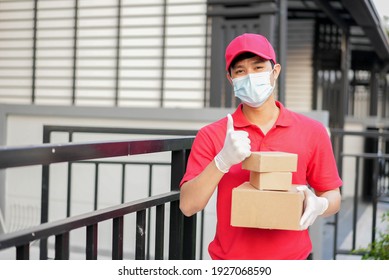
(277, 70)
(229, 77)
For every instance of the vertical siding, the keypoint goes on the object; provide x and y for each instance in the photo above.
(16, 50)
(125, 53)
(299, 68)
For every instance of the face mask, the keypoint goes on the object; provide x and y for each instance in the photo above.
(253, 89)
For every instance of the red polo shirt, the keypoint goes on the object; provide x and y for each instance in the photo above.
(292, 133)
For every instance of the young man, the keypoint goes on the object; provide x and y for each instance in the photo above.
(260, 123)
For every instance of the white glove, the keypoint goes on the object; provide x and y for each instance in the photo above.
(314, 206)
(236, 147)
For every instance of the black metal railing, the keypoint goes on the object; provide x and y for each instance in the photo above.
(370, 185)
(70, 133)
(182, 230)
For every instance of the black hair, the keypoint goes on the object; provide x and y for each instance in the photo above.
(243, 56)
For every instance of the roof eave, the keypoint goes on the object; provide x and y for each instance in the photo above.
(367, 18)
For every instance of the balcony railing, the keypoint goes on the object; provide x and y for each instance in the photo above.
(181, 231)
(370, 190)
(369, 171)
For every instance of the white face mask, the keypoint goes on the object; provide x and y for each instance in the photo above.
(253, 89)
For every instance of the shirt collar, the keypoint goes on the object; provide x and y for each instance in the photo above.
(284, 119)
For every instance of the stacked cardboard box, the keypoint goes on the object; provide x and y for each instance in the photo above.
(269, 200)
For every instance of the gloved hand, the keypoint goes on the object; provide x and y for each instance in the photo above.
(314, 206)
(236, 147)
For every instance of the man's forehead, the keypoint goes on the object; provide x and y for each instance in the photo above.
(254, 59)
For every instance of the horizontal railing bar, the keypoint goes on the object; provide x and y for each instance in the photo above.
(118, 130)
(65, 225)
(368, 155)
(123, 162)
(372, 134)
(154, 146)
(54, 153)
(348, 252)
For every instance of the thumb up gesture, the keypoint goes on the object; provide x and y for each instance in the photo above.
(236, 147)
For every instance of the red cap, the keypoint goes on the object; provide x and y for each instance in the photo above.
(249, 42)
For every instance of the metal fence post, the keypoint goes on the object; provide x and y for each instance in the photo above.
(190, 227)
(182, 230)
(176, 217)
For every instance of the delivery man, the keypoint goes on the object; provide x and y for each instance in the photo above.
(260, 123)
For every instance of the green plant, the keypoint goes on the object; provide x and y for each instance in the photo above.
(379, 249)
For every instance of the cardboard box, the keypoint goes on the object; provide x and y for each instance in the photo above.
(271, 162)
(255, 208)
(276, 181)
